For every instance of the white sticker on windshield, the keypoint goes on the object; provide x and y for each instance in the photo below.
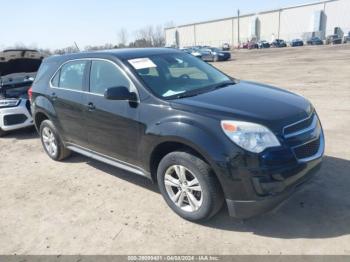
(171, 93)
(142, 63)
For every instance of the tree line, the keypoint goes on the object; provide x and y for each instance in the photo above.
(148, 36)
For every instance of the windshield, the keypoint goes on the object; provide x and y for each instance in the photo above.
(169, 75)
(215, 49)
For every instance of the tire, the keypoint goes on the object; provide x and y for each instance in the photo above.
(48, 131)
(210, 197)
(2, 133)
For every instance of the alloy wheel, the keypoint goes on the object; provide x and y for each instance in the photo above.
(49, 141)
(183, 188)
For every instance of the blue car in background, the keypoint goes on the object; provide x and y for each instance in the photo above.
(213, 54)
(315, 41)
(279, 43)
(296, 42)
(192, 51)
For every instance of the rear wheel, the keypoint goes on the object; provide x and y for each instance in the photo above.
(51, 141)
(189, 186)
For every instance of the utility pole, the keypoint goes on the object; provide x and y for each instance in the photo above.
(238, 27)
(279, 23)
(195, 34)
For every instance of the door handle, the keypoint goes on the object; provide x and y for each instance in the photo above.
(53, 96)
(91, 106)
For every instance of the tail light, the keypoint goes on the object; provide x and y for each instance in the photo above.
(30, 93)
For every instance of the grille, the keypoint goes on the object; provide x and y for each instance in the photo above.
(10, 120)
(307, 150)
(299, 126)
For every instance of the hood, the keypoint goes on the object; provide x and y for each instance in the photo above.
(15, 61)
(20, 65)
(248, 101)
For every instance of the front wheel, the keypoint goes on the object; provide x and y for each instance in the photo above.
(189, 186)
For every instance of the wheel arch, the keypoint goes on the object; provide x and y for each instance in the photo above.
(39, 117)
(166, 147)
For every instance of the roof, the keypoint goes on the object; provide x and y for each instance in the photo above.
(124, 53)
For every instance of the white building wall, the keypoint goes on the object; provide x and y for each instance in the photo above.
(338, 15)
(245, 23)
(287, 23)
(268, 25)
(296, 21)
(186, 35)
(214, 33)
(170, 39)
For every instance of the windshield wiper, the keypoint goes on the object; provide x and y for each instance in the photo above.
(224, 84)
(187, 94)
(203, 90)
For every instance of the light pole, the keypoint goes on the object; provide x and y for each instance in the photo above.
(238, 27)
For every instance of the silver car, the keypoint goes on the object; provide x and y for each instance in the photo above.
(17, 72)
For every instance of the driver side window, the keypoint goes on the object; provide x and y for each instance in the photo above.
(104, 75)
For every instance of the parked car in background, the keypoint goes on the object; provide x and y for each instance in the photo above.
(334, 40)
(250, 45)
(279, 43)
(296, 42)
(315, 41)
(263, 44)
(347, 38)
(18, 68)
(204, 137)
(192, 51)
(226, 47)
(213, 54)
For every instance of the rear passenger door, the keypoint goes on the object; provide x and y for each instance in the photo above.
(68, 97)
(112, 126)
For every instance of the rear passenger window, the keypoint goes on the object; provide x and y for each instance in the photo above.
(105, 75)
(71, 75)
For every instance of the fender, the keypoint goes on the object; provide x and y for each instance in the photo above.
(191, 133)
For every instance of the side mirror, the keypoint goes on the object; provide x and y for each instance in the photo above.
(119, 93)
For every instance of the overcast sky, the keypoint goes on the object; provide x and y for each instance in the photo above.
(58, 23)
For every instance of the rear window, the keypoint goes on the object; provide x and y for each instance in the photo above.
(43, 70)
(71, 75)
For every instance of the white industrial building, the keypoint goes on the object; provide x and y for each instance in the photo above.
(302, 21)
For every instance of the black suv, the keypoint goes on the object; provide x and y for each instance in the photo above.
(203, 136)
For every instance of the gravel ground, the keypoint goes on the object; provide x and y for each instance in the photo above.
(81, 206)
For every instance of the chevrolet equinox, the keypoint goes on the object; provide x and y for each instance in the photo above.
(203, 136)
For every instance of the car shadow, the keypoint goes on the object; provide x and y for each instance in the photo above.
(22, 134)
(114, 171)
(319, 209)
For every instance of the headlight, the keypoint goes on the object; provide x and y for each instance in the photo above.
(251, 137)
(9, 102)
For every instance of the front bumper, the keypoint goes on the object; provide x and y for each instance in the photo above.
(224, 57)
(259, 183)
(250, 208)
(13, 118)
